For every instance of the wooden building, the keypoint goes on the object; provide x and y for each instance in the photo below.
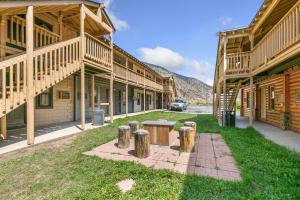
(262, 62)
(58, 63)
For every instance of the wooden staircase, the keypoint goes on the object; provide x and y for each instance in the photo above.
(51, 64)
(229, 103)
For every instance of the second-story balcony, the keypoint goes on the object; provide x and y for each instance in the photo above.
(130, 76)
(281, 43)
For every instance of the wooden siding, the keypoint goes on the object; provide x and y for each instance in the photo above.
(63, 109)
(293, 105)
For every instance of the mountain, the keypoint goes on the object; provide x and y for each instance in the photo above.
(191, 89)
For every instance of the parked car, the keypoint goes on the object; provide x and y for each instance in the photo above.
(178, 105)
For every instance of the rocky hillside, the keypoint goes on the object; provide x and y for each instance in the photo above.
(191, 89)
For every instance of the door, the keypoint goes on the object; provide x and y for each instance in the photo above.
(142, 101)
(88, 109)
(263, 103)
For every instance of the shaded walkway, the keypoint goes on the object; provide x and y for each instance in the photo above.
(16, 139)
(289, 139)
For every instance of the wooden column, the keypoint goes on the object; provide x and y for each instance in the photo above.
(82, 17)
(251, 102)
(225, 67)
(2, 35)
(111, 84)
(29, 74)
(60, 22)
(144, 99)
(154, 102)
(126, 100)
(242, 103)
(126, 89)
(93, 96)
(162, 100)
(3, 127)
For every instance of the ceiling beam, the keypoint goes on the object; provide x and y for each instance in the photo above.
(265, 15)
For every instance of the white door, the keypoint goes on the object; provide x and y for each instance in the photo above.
(263, 103)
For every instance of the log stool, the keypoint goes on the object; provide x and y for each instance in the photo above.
(142, 143)
(134, 125)
(124, 137)
(193, 125)
(187, 139)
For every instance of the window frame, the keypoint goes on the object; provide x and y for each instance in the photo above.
(51, 99)
(271, 98)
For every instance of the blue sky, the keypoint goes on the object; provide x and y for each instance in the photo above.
(179, 35)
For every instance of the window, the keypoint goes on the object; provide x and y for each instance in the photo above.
(272, 98)
(298, 96)
(45, 100)
(120, 60)
(138, 99)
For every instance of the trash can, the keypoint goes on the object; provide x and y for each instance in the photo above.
(99, 117)
(228, 118)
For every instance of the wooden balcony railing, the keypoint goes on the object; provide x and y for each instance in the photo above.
(238, 64)
(97, 51)
(282, 36)
(17, 33)
(120, 71)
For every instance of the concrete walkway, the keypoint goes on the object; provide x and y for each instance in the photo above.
(288, 139)
(17, 138)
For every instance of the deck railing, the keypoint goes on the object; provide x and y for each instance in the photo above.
(50, 65)
(238, 63)
(133, 77)
(16, 33)
(97, 51)
(284, 35)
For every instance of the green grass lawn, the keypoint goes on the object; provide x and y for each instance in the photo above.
(268, 171)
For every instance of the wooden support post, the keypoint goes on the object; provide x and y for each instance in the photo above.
(60, 22)
(3, 128)
(111, 85)
(82, 77)
(29, 74)
(242, 103)
(251, 102)
(2, 35)
(154, 101)
(126, 100)
(162, 100)
(145, 99)
(93, 96)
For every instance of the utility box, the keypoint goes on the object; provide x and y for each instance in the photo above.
(99, 117)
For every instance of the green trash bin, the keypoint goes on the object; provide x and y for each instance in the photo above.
(228, 118)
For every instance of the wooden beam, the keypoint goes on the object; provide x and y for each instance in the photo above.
(251, 102)
(15, 4)
(111, 85)
(93, 96)
(82, 77)
(3, 128)
(29, 74)
(265, 15)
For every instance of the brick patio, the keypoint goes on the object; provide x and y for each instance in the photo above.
(211, 158)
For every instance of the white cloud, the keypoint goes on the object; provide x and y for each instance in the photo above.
(119, 24)
(174, 61)
(225, 20)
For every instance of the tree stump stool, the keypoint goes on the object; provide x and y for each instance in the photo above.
(124, 137)
(142, 143)
(187, 139)
(193, 125)
(134, 125)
